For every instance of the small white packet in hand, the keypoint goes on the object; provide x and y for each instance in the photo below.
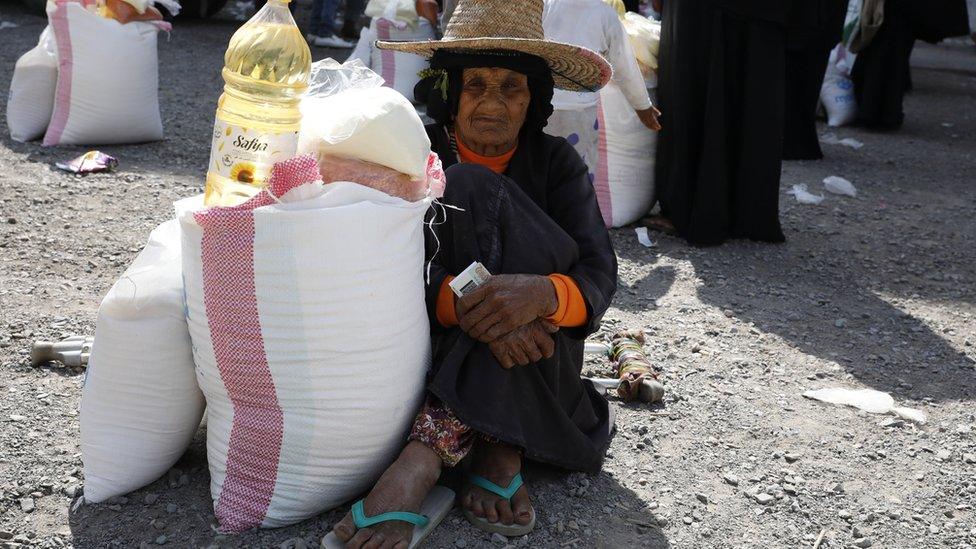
(468, 281)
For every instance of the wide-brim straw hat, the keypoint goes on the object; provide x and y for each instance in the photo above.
(514, 25)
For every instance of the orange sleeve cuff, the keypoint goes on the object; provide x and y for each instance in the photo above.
(446, 313)
(571, 311)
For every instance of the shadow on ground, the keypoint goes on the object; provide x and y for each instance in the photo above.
(180, 508)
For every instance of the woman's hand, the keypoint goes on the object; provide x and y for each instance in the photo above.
(523, 346)
(428, 10)
(505, 303)
(649, 117)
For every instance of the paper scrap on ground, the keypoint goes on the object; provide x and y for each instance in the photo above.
(8, 25)
(839, 185)
(803, 196)
(644, 238)
(869, 400)
(832, 139)
(90, 162)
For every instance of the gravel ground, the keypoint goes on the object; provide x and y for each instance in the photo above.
(875, 291)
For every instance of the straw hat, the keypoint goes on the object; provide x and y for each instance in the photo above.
(514, 25)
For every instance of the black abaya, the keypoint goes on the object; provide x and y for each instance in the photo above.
(541, 217)
(881, 72)
(814, 28)
(721, 85)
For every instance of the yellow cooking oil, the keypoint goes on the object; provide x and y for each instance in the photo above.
(266, 70)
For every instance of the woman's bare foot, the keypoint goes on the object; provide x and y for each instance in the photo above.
(498, 463)
(402, 487)
(660, 224)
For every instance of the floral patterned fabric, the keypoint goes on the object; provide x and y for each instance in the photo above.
(438, 428)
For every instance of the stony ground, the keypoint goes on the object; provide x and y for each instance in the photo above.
(875, 291)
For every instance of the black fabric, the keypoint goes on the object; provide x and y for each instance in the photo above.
(443, 109)
(721, 92)
(814, 29)
(881, 72)
(541, 217)
(632, 5)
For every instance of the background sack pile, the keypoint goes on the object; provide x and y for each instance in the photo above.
(90, 80)
(394, 20)
(300, 317)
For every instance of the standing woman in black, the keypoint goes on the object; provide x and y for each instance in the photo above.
(721, 89)
(814, 28)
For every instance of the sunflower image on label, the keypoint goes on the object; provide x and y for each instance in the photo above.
(241, 160)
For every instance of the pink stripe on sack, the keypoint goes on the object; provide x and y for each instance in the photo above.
(230, 299)
(387, 57)
(602, 179)
(62, 99)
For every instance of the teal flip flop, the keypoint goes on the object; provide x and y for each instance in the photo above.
(436, 506)
(510, 530)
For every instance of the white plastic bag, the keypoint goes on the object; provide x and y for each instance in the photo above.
(141, 405)
(837, 91)
(869, 400)
(311, 340)
(624, 173)
(839, 185)
(107, 79)
(32, 87)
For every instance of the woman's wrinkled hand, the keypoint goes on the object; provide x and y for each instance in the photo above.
(504, 303)
(649, 117)
(525, 345)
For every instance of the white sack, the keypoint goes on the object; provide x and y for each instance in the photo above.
(399, 70)
(377, 125)
(107, 80)
(837, 91)
(140, 406)
(31, 98)
(624, 176)
(312, 342)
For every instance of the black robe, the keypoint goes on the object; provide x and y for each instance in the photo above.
(722, 65)
(541, 218)
(881, 71)
(814, 28)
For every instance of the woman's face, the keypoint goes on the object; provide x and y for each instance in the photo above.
(492, 107)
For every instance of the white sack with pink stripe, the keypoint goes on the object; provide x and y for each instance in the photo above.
(399, 70)
(108, 75)
(306, 310)
(624, 178)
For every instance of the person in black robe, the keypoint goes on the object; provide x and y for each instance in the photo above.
(504, 383)
(814, 29)
(721, 89)
(881, 72)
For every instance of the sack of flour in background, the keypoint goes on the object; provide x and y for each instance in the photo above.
(140, 405)
(311, 338)
(624, 178)
(107, 91)
(837, 92)
(32, 87)
(394, 21)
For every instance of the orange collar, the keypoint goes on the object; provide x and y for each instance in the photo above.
(497, 164)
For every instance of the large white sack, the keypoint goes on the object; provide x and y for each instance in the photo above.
(377, 125)
(31, 98)
(400, 71)
(141, 405)
(311, 338)
(624, 176)
(107, 79)
(837, 92)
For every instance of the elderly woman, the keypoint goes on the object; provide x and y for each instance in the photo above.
(505, 379)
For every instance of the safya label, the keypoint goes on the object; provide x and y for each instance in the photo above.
(246, 156)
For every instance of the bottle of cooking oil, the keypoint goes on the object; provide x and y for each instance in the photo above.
(266, 70)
